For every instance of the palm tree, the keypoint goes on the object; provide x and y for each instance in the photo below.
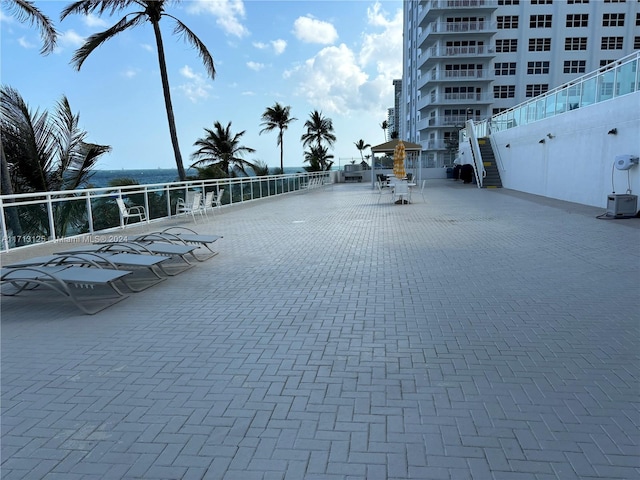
(277, 117)
(220, 149)
(360, 145)
(318, 158)
(47, 152)
(319, 130)
(25, 11)
(385, 126)
(152, 12)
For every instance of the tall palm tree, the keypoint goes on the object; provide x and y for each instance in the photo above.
(152, 12)
(384, 125)
(47, 152)
(361, 146)
(318, 158)
(220, 148)
(319, 130)
(277, 117)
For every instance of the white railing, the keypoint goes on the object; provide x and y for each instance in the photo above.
(35, 218)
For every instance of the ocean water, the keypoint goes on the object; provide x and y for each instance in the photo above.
(101, 178)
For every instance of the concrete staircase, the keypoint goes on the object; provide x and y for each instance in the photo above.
(492, 178)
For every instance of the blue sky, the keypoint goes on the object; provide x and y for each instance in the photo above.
(339, 57)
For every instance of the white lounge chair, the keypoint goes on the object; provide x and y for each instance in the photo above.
(181, 235)
(126, 213)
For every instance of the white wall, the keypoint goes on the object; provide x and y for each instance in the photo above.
(577, 164)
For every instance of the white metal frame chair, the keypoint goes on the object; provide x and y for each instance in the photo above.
(217, 200)
(401, 192)
(195, 206)
(422, 186)
(383, 191)
(136, 211)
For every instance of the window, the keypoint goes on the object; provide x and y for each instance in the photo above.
(539, 44)
(615, 1)
(504, 91)
(578, 20)
(540, 21)
(537, 68)
(636, 43)
(605, 62)
(613, 19)
(507, 21)
(498, 110)
(611, 43)
(571, 2)
(506, 45)
(575, 43)
(574, 66)
(505, 68)
(637, 19)
(536, 89)
(541, 2)
(508, 2)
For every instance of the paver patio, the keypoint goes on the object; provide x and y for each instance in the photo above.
(482, 334)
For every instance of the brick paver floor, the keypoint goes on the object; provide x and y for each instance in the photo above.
(480, 334)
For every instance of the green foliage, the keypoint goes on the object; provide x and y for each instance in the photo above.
(221, 149)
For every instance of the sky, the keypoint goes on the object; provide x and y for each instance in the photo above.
(337, 57)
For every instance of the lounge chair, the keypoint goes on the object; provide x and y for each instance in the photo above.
(181, 235)
(174, 251)
(71, 281)
(131, 212)
(116, 261)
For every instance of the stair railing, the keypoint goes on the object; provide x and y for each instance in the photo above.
(478, 166)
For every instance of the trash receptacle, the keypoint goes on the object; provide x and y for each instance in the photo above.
(449, 172)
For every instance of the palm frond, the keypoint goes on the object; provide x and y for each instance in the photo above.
(85, 7)
(25, 11)
(97, 39)
(193, 40)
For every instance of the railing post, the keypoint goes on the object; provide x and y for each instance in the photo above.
(52, 226)
(89, 212)
(5, 236)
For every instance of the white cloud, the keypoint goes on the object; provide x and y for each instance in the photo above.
(147, 47)
(24, 43)
(310, 30)
(69, 39)
(279, 46)
(92, 21)
(255, 66)
(341, 80)
(130, 72)
(196, 88)
(228, 14)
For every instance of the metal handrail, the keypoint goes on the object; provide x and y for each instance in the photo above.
(237, 190)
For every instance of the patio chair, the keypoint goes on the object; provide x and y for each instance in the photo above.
(422, 186)
(217, 200)
(136, 211)
(81, 285)
(383, 191)
(184, 207)
(208, 202)
(401, 192)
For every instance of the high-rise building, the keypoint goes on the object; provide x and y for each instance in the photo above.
(470, 59)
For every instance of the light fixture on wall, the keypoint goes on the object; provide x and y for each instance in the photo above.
(508, 145)
(541, 141)
(550, 136)
(613, 131)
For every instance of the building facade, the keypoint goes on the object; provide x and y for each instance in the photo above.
(471, 59)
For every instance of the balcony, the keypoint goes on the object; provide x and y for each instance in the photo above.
(436, 8)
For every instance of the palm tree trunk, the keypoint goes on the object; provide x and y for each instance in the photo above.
(167, 101)
(13, 220)
(281, 153)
